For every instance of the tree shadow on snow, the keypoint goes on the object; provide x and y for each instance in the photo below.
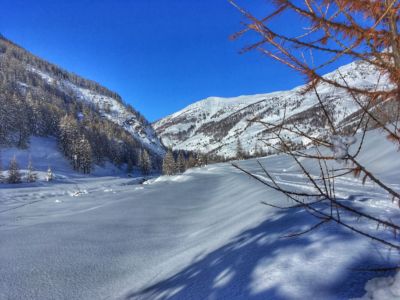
(229, 272)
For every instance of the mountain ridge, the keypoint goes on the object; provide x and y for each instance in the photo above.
(213, 125)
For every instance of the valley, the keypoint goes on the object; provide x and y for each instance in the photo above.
(209, 175)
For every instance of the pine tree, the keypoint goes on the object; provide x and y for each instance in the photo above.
(75, 145)
(7, 121)
(168, 163)
(191, 162)
(32, 175)
(199, 160)
(37, 120)
(240, 154)
(50, 175)
(129, 167)
(1, 172)
(257, 152)
(68, 136)
(22, 123)
(145, 162)
(204, 159)
(180, 164)
(14, 173)
(84, 152)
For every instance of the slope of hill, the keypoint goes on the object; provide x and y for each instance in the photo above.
(110, 106)
(35, 96)
(215, 124)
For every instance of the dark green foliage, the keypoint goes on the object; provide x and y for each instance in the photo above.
(180, 163)
(145, 162)
(1, 172)
(169, 167)
(14, 174)
(240, 153)
(191, 161)
(31, 176)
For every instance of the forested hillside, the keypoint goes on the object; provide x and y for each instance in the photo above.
(92, 124)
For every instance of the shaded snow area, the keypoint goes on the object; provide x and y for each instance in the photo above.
(200, 235)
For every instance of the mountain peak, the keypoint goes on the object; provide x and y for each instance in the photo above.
(214, 125)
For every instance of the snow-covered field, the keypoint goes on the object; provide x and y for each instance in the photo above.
(200, 235)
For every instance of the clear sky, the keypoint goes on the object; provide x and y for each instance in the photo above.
(159, 55)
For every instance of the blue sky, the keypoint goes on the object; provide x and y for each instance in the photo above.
(159, 55)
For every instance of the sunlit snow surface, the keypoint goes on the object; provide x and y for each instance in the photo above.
(200, 235)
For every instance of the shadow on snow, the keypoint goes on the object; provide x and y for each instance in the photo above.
(228, 272)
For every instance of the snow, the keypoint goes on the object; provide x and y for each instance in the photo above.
(44, 153)
(270, 108)
(111, 109)
(200, 235)
(341, 145)
(386, 288)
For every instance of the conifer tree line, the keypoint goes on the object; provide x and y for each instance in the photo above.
(177, 162)
(14, 175)
(14, 57)
(262, 149)
(32, 106)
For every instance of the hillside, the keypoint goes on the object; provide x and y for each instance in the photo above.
(214, 125)
(36, 95)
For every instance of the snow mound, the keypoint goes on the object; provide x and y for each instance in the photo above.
(386, 288)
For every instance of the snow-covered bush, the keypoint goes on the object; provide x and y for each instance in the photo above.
(49, 175)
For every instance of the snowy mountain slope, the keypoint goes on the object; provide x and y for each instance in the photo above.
(22, 72)
(111, 108)
(215, 124)
(200, 235)
(44, 153)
